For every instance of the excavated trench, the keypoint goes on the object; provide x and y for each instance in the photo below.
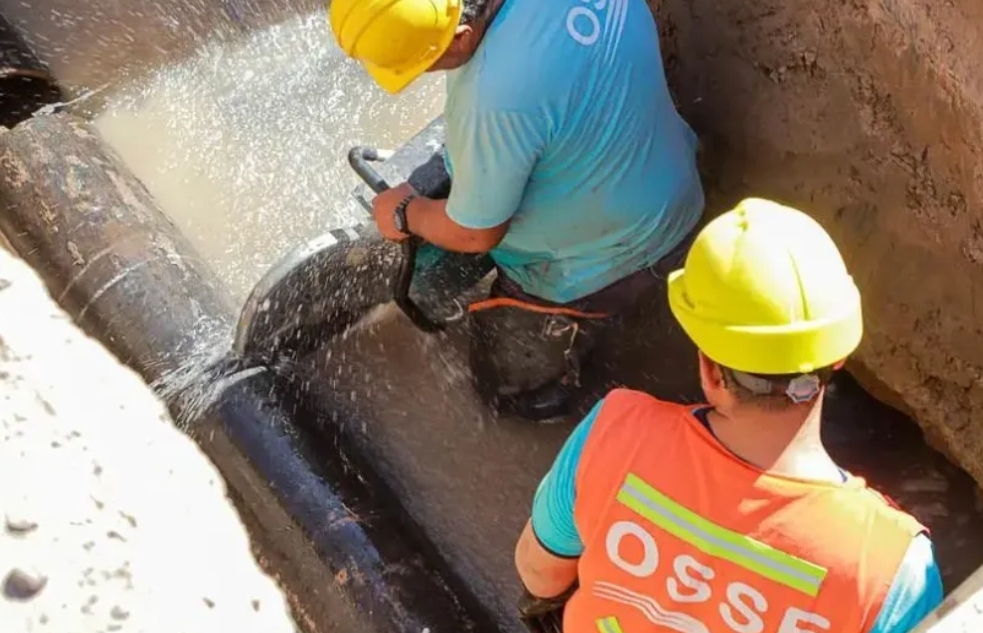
(401, 398)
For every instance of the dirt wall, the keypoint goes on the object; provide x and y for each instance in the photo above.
(113, 520)
(866, 114)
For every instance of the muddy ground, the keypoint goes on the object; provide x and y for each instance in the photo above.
(468, 479)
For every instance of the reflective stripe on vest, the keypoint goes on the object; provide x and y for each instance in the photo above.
(720, 542)
(608, 625)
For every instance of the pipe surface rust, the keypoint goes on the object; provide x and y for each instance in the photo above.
(117, 265)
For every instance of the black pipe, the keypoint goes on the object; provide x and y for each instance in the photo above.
(70, 208)
(345, 506)
(26, 85)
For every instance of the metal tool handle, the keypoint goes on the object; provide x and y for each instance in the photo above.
(360, 158)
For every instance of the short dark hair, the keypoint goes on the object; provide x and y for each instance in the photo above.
(773, 392)
(474, 10)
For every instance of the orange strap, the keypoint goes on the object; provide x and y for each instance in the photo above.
(508, 302)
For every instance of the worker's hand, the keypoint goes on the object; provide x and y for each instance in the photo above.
(384, 206)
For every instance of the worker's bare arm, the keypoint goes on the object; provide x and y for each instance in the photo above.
(493, 162)
(428, 218)
(544, 574)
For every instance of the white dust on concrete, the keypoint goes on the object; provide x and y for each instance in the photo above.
(112, 519)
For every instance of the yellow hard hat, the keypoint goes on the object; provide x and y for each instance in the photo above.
(397, 40)
(764, 290)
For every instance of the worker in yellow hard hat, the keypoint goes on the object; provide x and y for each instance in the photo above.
(569, 166)
(731, 516)
(399, 40)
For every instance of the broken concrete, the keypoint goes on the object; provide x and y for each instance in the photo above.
(113, 519)
(868, 114)
(960, 612)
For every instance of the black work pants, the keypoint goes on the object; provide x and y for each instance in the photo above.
(521, 343)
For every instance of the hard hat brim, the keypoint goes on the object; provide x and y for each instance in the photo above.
(770, 349)
(395, 80)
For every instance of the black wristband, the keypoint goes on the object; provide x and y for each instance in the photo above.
(399, 215)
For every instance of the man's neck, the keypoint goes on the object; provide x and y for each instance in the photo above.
(782, 443)
(491, 13)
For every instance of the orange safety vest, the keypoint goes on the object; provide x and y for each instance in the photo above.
(680, 535)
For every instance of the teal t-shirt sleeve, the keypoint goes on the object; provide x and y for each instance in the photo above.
(552, 507)
(915, 592)
(491, 165)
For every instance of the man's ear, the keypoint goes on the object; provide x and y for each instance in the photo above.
(710, 375)
(462, 38)
(838, 366)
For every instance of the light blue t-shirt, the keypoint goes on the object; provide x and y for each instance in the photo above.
(914, 593)
(563, 123)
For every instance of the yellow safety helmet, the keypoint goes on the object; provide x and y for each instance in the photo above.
(397, 40)
(764, 290)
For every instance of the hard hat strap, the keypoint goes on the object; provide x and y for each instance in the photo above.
(755, 384)
(799, 389)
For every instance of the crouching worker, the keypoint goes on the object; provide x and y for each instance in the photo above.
(569, 165)
(731, 516)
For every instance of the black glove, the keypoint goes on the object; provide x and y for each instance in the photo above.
(543, 615)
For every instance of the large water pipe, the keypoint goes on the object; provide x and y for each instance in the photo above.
(25, 82)
(333, 534)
